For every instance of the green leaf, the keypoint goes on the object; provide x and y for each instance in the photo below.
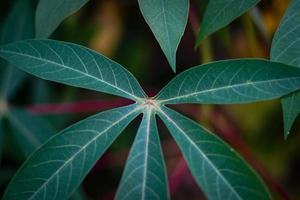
(19, 23)
(59, 166)
(218, 169)
(29, 131)
(286, 49)
(50, 14)
(72, 65)
(11, 82)
(22, 19)
(167, 20)
(144, 176)
(1, 136)
(220, 13)
(291, 109)
(231, 82)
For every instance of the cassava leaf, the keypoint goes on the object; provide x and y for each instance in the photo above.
(73, 65)
(167, 19)
(49, 14)
(59, 166)
(286, 49)
(29, 131)
(219, 171)
(144, 176)
(230, 82)
(220, 13)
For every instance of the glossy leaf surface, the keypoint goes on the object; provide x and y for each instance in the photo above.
(144, 176)
(73, 65)
(219, 171)
(59, 166)
(231, 82)
(167, 20)
(50, 14)
(286, 49)
(220, 13)
(29, 131)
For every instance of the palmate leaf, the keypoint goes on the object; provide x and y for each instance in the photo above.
(73, 65)
(220, 13)
(286, 49)
(218, 169)
(29, 131)
(144, 176)
(59, 166)
(167, 19)
(54, 12)
(231, 82)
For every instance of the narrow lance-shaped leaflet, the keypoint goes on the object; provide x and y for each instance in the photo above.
(145, 176)
(231, 82)
(74, 65)
(219, 171)
(59, 166)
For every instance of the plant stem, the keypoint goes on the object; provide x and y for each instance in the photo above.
(76, 107)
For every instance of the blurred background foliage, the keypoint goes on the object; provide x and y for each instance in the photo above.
(117, 29)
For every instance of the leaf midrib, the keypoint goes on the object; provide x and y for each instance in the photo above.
(223, 88)
(80, 150)
(148, 120)
(203, 155)
(78, 71)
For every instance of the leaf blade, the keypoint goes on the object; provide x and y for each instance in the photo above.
(218, 163)
(54, 12)
(48, 167)
(285, 49)
(220, 13)
(73, 65)
(144, 176)
(167, 20)
(230, 82)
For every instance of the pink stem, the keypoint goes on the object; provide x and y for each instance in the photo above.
(76, 107)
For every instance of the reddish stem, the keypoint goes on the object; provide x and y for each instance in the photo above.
(76, 107)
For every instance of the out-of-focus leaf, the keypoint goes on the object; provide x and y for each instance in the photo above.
(220, 13)
(73, 65)
(286, 49)
(144, 176)
(17, 26)
(167, 20)
(59, 166)
(49, 14)
(78, 195)
(291, 109)
(231, 82)
(1, 136)
(219, 171)
(12, 80)
(29, 131)
(19, 23)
